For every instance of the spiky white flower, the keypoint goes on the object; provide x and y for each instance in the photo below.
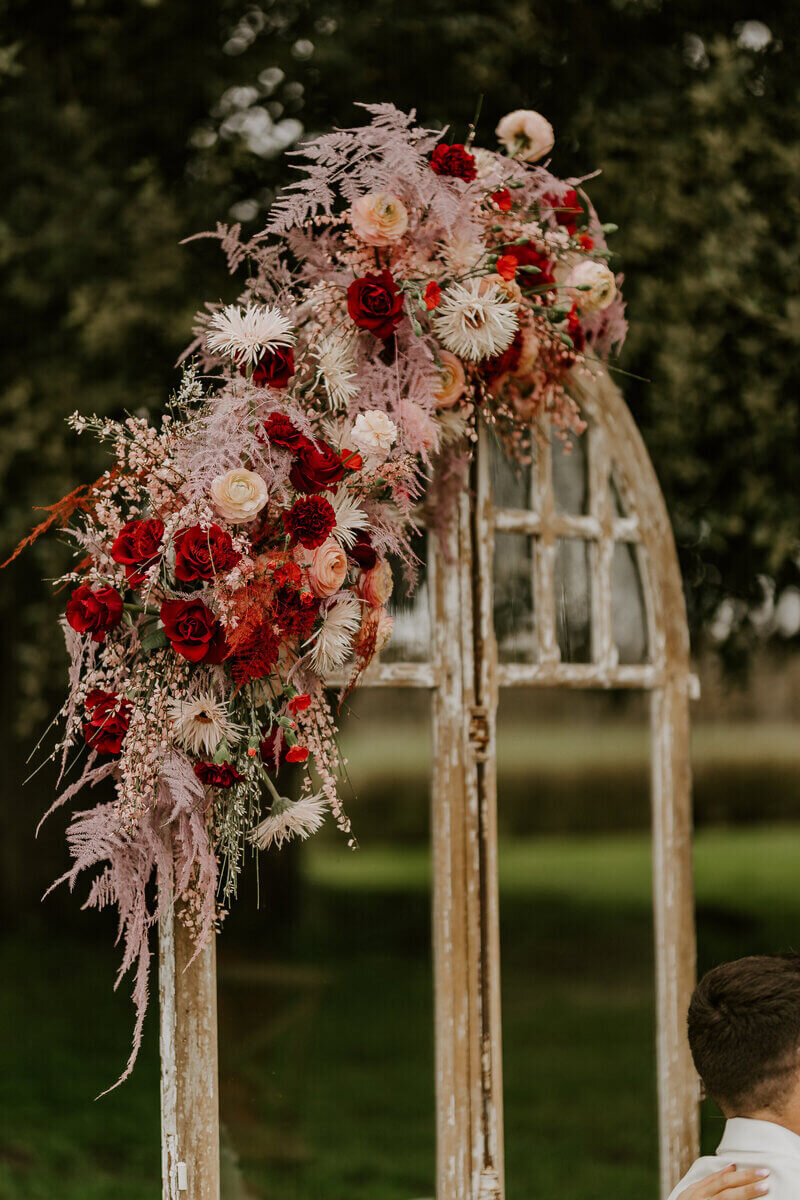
(336, 368)
(350, 517)
(331, 643)
(475, 319)
(201, 722)
(245, 335)
(453, 426)
(462, 252)
(289, 819)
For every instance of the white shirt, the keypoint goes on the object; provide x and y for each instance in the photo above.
(753, 1144)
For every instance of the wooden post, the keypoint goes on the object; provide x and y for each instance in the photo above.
(189, 1071)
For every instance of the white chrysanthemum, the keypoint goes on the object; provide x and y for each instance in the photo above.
(201, 722)
(246, 335)
(337, 369)
(475, 321)
(331, 643)
(462, 253)
(290, 819)
(350, 517)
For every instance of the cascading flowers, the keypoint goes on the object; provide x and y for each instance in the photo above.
(238, 555)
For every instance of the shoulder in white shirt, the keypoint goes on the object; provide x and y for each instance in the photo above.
(753, 1144)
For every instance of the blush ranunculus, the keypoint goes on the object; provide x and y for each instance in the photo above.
(453, 380)
(379, 218)
(202, 553)
(526, 134)
(592, 285)
(309, 521)
(136, 547)
(274, 369)
(376, 585)
(455, 161)
(328, 568)
(375, 303)
(108, 721)
(94, 612)
(239, 495)
(193, 631)
(217, 775)
(316, 467)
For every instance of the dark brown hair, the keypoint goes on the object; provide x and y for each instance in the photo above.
(744, 1032)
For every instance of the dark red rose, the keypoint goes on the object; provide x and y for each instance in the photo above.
(274, 369)
(454, 160)
(203, 553)
(527, 256)
(193, 631)
(575, 329)
(316, 467)
(567, 209)
(309, 521)
(281, 432)
(493, 368)
(217, 775)
(137, 546)
(94, 612)
(108, 721)
(375, 303)
(362, 552)
(502, 199)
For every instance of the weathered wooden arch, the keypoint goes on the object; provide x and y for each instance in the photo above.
(624, 507)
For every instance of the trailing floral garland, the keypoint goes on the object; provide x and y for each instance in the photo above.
(236, 556)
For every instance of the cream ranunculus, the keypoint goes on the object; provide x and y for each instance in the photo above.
(598, 281)
(376, 585)
(239, 495)
(374, 434)
(327, 569)
(526, 134)
(379, 218)
(453, 380)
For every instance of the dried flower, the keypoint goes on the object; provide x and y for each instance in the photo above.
(337, 369)
(201, 722)
(331, 643)
(475, 324)
(289, 819)
(245, 336)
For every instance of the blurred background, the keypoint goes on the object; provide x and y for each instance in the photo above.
(127, 127)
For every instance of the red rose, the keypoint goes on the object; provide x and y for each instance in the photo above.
(136, 547)
(567, 209)
(109, 718)
(274, 368)
(362, 551)
(315, 468)
(193, 631)
(502, 199)
(281, 432)
(94, 612)
(299, 704)
(203, 553)
(375, 303)
(527, 256)
(217, 775)
(297, 754)
(454, 160)
(309, 521)
(433, 295)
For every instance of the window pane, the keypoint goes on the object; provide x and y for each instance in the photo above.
(411, 637)
(511, 482)
(628, 616)
(573, 600)
(570, 482)
(513, 598)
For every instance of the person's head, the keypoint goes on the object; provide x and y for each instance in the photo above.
(744, 1034)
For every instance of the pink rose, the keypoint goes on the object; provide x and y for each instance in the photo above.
(328, 568)
(375, 586)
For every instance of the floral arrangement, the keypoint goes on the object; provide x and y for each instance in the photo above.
(239, 554)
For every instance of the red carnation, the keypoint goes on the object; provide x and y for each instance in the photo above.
(274, 369)
(351, 460)
(585, 242)
(375, 303)
(281, 432)
(454, 160)
(575, 329)
(136, 547)
(299, 703)
(527, 256)
(94, 612)
(316, 467)
(567, 209)
(433, 295)
(309, 521)
(193, 631)
(217, 775)
(287, 573)
(507, 266)
(108, 721)
(362, 551)
(502, 199)
(203, 553)
(297, 754)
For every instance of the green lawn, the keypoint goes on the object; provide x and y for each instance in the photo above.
(326, 1050)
